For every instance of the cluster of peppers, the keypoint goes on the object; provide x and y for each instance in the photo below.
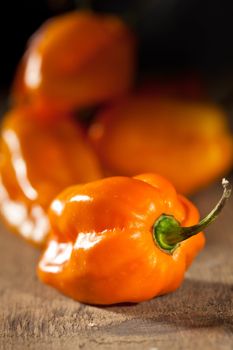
(71, 188)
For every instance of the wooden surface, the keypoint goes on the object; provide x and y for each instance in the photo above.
(197, 316)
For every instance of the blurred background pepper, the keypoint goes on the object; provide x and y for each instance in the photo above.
(184, 140)
(173, 34)
(85, 59)
(75, 61)
(39, 160)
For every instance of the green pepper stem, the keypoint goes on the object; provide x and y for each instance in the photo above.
(168, 232)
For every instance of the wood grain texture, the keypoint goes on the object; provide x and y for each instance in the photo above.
(197, 316)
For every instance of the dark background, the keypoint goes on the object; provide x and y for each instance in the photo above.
(174, 35)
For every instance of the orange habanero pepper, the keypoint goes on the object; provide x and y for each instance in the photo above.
(187, 142)
(38, 160)
(119, 239)
(76, 60)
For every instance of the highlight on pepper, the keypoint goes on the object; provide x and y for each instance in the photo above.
(147, 233)
(38, 160)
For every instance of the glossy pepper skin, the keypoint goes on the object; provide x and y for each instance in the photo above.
(101, 249)
(187, 142)
(38, 160)
(75, 61)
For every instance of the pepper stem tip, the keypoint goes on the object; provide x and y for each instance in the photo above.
(168, 232)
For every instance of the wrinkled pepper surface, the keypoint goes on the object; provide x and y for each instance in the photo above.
(187, 142)
(74, 61)
(122, 239)
(38, 160)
